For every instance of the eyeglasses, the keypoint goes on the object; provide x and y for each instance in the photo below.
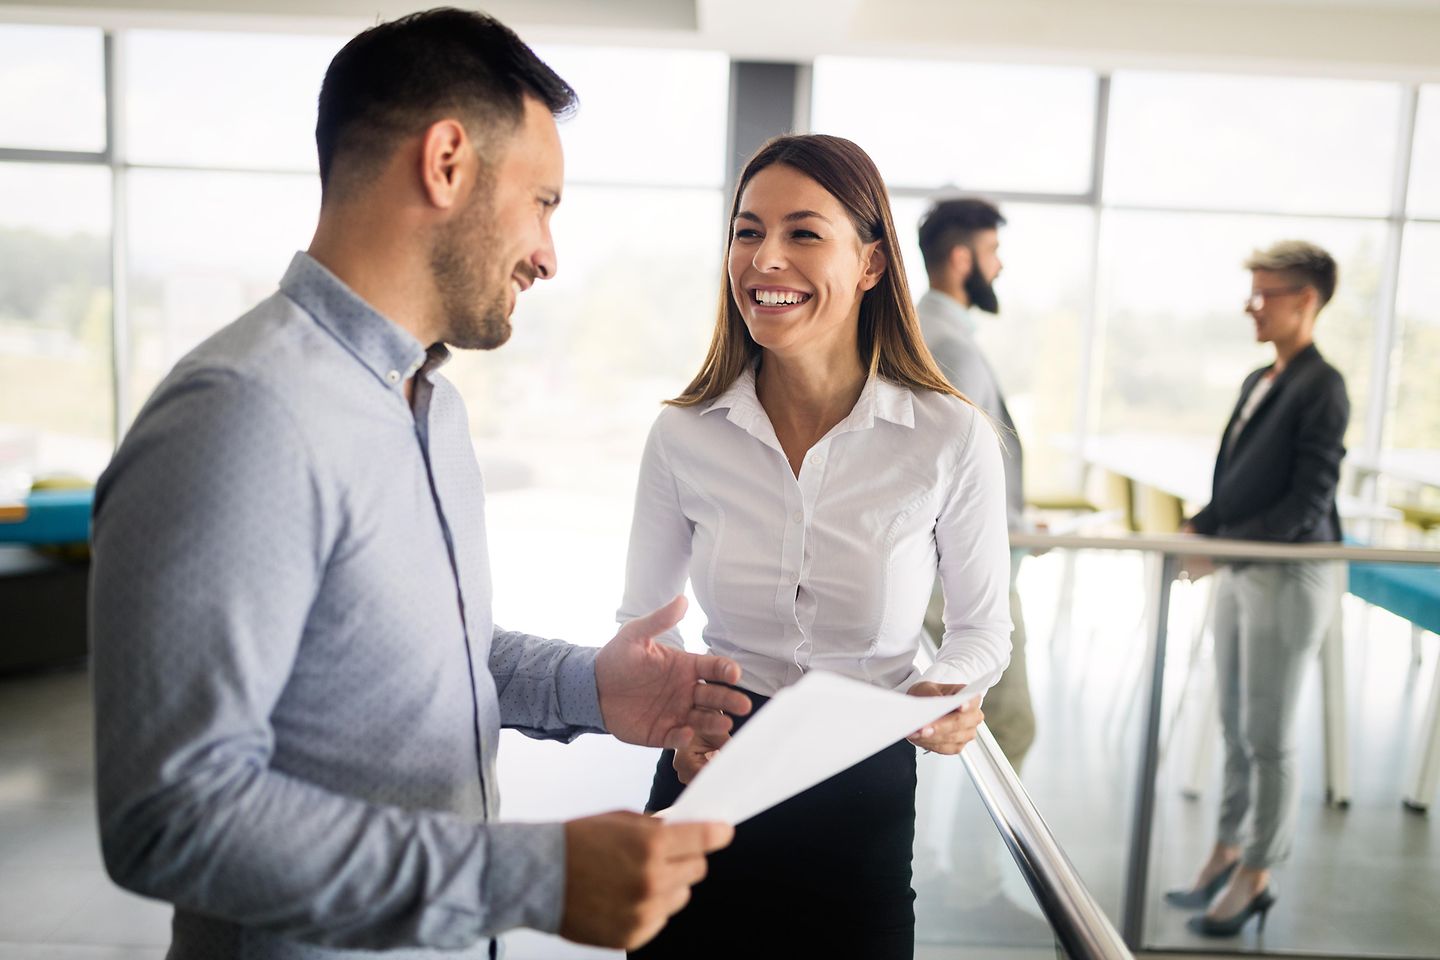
(1256, 300)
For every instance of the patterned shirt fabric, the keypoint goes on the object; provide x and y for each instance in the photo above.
(298, 687)
(949, 332)
(830, 570)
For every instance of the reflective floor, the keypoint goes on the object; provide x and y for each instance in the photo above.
(1361, 881)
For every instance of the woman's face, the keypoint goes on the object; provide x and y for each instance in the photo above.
(797, 267)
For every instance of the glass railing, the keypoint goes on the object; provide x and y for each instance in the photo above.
(969, 899)
(1127, 764)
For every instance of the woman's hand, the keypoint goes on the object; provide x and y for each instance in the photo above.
(695, 754)
(951, 732)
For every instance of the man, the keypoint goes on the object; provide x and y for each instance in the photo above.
(1275, 480)
(960, 242)
(299, 689)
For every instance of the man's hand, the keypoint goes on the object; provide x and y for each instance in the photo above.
(951, 732)
(657, 696)
(626, 874)
(689, 759)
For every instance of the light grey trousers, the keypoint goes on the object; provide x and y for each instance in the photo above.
(1269, 620)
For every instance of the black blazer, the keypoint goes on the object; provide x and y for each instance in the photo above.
(1277, 482)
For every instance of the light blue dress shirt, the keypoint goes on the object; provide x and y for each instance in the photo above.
(298, 687)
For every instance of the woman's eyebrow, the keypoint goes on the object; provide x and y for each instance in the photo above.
(788, 218)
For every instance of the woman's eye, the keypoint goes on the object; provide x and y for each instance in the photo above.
(746, 233)
(806, 235)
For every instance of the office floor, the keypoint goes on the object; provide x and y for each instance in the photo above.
(1362, 881)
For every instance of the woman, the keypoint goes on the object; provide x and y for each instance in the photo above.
(1275, 480)
(810, 481)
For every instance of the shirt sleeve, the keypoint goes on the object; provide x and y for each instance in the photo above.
(211, 537)
(658, 562)
(546, 687)
(974, 548)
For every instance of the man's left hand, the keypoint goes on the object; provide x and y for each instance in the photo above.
(951, 732)
(657, 696)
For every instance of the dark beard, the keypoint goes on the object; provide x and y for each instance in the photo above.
(981, 291)
(462, 255)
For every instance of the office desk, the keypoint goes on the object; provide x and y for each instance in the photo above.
(1182, 467)
(1412, 466)
(48, 517)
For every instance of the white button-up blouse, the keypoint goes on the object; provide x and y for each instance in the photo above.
(830, 570)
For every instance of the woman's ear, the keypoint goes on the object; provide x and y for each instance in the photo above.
(875, 264)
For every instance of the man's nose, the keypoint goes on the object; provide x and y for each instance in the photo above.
(544, 260)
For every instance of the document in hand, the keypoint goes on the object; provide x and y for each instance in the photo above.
(805, 734)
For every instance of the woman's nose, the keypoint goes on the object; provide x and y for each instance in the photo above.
(768, 256)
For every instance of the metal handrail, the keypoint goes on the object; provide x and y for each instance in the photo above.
(1194, 545)
(1078, 922)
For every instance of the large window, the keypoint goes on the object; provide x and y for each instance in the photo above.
(980, 127)
(52, 88)
(1251, 143)
(1026, 132)
(1424, 194)
(1414, 422)
(1176, 340)
(56, 413)
(560, 413)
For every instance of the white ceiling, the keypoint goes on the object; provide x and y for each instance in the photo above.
(1397, 39)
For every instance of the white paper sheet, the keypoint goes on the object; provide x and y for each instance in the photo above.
(807, 733)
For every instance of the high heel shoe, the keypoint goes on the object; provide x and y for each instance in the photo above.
(1202, 895)
(1208, 926)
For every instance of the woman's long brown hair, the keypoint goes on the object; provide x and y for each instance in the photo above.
(888, 338)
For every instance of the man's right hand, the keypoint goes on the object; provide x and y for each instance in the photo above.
(626, 874)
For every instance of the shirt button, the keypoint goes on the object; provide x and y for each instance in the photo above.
(817, 459)
(393, 376)
(797, 516)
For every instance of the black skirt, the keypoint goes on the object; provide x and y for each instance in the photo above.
(826, 873)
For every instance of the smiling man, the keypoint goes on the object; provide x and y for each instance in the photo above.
(299, 688)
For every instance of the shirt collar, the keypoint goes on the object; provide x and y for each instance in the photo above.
(947, 311)
(382, 345)
(879, 399)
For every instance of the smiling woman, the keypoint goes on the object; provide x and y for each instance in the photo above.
(820, 431)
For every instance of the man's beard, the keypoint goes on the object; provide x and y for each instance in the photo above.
(981, 291)
(464, 254)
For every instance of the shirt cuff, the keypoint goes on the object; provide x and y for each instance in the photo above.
(576, 691)
(943, 672)
(524, 881)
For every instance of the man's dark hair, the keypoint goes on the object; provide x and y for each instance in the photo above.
(952, 223)
(396, 78)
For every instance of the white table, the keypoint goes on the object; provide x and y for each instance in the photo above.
(1184, 467)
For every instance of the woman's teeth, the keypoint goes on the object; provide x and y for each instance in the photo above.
(776, 298)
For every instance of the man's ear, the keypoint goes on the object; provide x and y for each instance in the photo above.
(962, 261)
(444, 155)
(875, 266)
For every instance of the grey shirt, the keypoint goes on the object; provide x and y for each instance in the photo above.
(298, 687)
(949, 332)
